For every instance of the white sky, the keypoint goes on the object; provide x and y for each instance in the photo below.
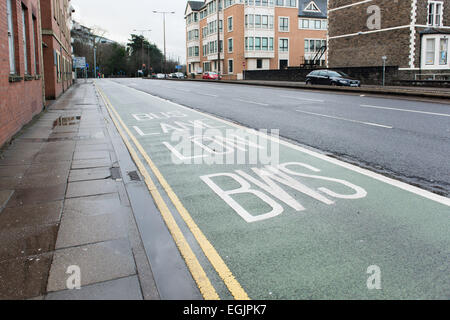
(119, 18)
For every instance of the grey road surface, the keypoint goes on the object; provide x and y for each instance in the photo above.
(408, 140)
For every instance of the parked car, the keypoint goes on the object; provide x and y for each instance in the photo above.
(211, 76)
(330, 77)
(179, 75)
(160, 76)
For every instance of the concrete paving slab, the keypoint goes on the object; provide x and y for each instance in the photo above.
(28, 241)
(31, 196)
(36, 133)
(93, 163)
(84, 142)
(89, 174)
(87, 155)
(8, 183)
(45, 175)
(92, 206)
(98, 262)
(93, 147)
(64, 155)
(34, 215)
(90, 188)
(77, 231)
(13, 171)
(25, 277)
(120, 289)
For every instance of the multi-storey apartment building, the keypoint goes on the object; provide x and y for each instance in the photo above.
(20, 65)
(411, 34)
(253, 34)
(56, 25)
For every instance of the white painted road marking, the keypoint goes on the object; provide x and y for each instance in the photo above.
(306, 99)
(207, 94)
(407, 110)
(344, 119)
(252, 102)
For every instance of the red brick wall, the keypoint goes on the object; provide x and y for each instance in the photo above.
(19, 101)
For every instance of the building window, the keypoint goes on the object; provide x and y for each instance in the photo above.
(230, 45)
(291, 3)
(25, 41)
(257, 43)
(230, 24)
(314, 45)
(35, 45)
(435, 52)
(230, 66)
(259, 63)
(284, 24)
(265, 44)
(284, 45)
(12, 58)
(435, 10)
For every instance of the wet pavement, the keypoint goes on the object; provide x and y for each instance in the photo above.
(60, 206)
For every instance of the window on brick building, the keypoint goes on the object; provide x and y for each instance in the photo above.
(284, 24)
(230, 66)
(259, 63)
(35, 47)
(284, 45)
(435, 10)
(12, 58)
(25, 40)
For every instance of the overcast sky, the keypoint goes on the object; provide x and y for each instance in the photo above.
(120, 18)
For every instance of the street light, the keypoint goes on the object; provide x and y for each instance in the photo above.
(148, 48)
(384, 58)
(164, 28)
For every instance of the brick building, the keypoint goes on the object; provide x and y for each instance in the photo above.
(21, 65)
(254, 35)
(57, 51)
(412, 34)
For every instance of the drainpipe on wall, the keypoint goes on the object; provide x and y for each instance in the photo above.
(41, 58)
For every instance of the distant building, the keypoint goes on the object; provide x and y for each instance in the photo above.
(21, 65)
(56, 25)
(412, 34)
(254, 35)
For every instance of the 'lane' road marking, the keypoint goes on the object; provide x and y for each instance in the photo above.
(252, 102)
(306, 99)
(406, 110)
(344, 119)
(207, 94)
(210, 252)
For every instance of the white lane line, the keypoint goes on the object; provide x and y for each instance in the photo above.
(406, 110)
(306, 99)
(253, 102)
(207, 94)
(344, 119)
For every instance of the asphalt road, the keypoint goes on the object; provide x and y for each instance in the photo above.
(408, 140)
(307, 226)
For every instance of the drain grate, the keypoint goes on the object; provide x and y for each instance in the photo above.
(134, 176)
(115, 173)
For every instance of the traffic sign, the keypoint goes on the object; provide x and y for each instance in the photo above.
(79, 62)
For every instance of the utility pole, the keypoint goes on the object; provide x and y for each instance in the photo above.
(164, 33)
(218, 36)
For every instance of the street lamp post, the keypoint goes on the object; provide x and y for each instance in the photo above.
(164, 31)
(384, 69)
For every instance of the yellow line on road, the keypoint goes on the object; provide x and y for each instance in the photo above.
(199, 275)
(211, 253)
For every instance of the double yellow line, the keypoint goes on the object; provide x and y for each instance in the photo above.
(199, 275)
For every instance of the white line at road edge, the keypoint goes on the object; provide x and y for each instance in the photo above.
(306, 99)
(344, 119)
(401, 185)
(406, 110)
(253, 102)
(206, 94)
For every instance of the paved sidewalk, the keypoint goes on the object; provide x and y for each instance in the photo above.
(63, 203)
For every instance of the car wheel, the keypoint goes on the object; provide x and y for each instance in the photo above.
(308, 82)
(334, 84)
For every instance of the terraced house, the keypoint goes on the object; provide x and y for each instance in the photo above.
(412, 35)
(254, 35)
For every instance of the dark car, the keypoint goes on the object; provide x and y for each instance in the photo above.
(330, 77)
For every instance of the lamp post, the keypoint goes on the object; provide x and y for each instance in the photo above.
(384, 69)
(164, 28)
(148, 48)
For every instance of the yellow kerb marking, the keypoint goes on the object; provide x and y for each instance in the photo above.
(211, 253)
(199, 275)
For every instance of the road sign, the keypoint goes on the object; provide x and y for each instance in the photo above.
(178, 67)
(79, 62)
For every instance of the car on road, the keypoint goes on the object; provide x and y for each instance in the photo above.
(211, 76)
(179, 75)
(160, 76)
(330, 77)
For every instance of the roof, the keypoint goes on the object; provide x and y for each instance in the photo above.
(321, 4)
(434, 31)
(196, 5)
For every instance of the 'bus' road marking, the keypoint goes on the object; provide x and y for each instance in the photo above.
(406, 110)
(306, 99)
(344, 119)
(252, 102)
